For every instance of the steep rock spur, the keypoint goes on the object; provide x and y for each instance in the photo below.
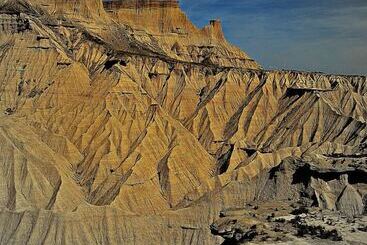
(114, 132)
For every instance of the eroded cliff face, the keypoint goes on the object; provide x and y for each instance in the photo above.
(117, 131)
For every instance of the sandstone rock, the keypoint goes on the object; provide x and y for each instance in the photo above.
(123, 123)
(326, 197)
(350, 202)
(341, 196)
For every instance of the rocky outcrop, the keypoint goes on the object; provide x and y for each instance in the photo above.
(350, 202)
(13, 23)
(214, 30)
(71, 8)
(114, 132)
(285, 208)
(139, 4)
(163, 24)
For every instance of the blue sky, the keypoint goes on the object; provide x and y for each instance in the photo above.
(316, 35)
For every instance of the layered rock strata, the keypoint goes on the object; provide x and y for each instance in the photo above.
(112, 132)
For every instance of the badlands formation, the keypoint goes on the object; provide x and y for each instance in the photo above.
(123, 123)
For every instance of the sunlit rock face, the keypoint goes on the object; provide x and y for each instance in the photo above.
(123, 123)
(140, 4)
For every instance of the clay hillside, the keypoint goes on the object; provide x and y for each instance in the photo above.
(123, 123)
